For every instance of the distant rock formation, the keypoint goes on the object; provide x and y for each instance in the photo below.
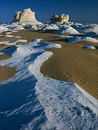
(59, 19)
(26, 16)
(17, 15)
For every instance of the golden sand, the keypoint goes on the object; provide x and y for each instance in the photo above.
(70, 63)
(7, 72)
(5, 56)
(4, 46)
(2, 39)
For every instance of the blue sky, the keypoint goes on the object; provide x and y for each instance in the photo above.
(84, 11)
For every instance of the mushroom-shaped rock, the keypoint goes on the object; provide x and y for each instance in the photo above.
(59, 19)
(64, 18)
(26, 16)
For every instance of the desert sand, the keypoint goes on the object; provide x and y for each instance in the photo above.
(4, 56)
(70, 63)
(7, 73)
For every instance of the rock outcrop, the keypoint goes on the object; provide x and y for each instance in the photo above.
(17, 15)
(59, 19)
(26, 16)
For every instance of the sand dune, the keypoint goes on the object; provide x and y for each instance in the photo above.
(31, 96)
(70, 63)
(74, 64)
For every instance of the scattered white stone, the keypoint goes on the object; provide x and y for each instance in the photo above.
(67, 30)
(12, 42)
(31, 26)
(8, 33)
(14, 31)
(1, 53)
(89, 47)
(73, 39)
(3, 28)
(92, 28)
(49, 27)
(15, 27)
(11, 36)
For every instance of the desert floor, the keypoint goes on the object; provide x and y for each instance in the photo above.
(70, 63)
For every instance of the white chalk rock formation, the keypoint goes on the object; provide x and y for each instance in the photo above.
(16, 16)
(26, 16)
(59, 19)
(89, 47)
(64, 18)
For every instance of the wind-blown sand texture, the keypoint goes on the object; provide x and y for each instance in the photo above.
(42, 102)
(70, 63)
(7, 72)
(73, 63)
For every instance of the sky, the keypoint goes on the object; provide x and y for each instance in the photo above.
(83, 11)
